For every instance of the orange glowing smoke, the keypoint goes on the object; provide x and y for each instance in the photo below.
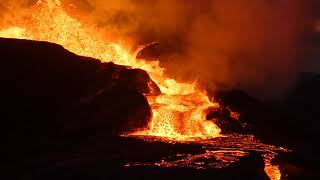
(177, 113)
(317, 26)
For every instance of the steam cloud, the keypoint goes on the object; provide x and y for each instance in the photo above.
(256, 45)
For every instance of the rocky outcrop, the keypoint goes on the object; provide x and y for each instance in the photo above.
(54, 99)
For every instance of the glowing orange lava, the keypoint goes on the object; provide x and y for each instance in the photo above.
(273, 171)
(179, 112)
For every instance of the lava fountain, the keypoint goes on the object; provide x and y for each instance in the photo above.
(178, 113)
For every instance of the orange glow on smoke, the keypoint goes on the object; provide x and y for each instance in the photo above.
(317, 26)
(179, 112)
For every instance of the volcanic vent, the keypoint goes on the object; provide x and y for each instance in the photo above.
(178, 112)
(182, 113)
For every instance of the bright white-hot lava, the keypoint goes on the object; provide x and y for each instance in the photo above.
(178, 113)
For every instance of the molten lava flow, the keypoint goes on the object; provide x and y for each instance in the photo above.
(179, 112)
(272, 171)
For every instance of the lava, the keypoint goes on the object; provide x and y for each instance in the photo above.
(179, 112)
(216, 153)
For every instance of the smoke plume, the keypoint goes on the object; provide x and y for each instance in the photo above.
(255, 45)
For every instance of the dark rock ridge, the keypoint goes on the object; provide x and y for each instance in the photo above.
(43, 80)
(60, 114)
(290, 122)
(53, 99)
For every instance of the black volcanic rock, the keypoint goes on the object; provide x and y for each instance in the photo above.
(53, 101)
(303, 103)
(60, 113)
(291, 122)
(295, 166)
(41, 80)
(251, 167)
(222, 117)
(116, 104)
(256, 117)
(137, 78)
(151, 52)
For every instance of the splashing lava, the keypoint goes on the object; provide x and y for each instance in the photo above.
(178, 113)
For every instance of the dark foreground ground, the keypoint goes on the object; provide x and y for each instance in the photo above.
(61, 114)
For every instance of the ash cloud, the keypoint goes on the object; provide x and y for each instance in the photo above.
(258, 46)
